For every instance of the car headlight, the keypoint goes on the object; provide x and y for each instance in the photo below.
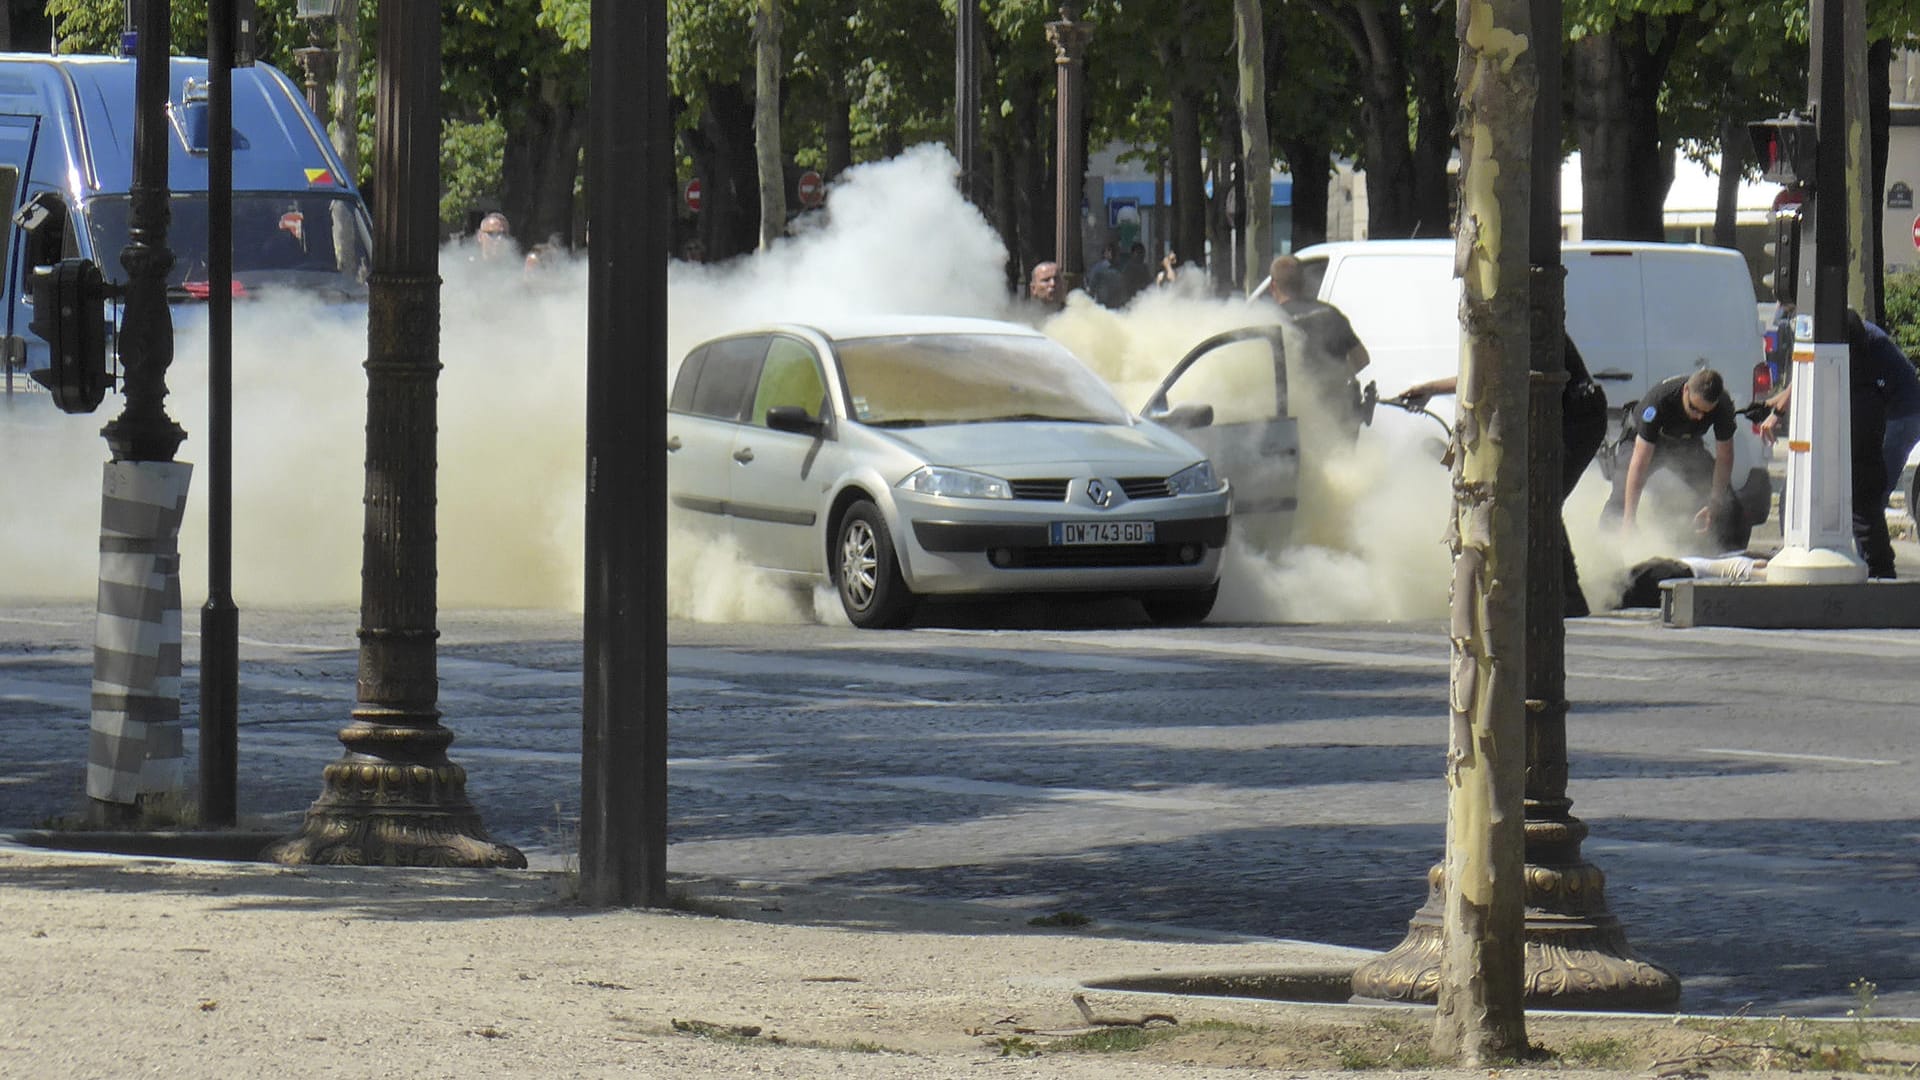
(956, 483)
(1195, 480)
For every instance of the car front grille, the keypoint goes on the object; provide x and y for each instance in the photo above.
(1040, 490)
(1146, 487)
(1055, 490)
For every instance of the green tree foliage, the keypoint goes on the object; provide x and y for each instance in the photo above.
(1903, 311)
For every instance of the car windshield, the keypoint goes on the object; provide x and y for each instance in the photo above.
(919, 380)
(296, 239)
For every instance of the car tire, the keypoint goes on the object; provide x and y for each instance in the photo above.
(866, 571)
(1184, 607)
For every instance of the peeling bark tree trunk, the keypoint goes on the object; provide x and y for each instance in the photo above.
(344, 128)
(766, 121)
(1480, 1019)
(1250, 39)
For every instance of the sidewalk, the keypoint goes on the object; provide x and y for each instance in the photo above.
(123, 966)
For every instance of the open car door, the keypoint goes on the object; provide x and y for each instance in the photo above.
(1228, 396)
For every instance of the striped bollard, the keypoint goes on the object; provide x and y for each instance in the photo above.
(136, 748)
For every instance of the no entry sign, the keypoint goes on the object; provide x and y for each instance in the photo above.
(812, 188)
(692, 194)
(1916, 232)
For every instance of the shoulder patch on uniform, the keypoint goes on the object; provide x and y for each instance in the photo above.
(1649, 414)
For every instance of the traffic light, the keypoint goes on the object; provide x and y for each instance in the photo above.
(68, 313)
(1783, 250)
(1785, 148)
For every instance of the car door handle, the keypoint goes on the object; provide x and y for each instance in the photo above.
(743, 455)
(673, 443)
(1613, 374)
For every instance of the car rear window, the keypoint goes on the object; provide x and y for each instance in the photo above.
(728, 373)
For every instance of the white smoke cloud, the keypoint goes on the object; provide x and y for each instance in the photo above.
(896, 237)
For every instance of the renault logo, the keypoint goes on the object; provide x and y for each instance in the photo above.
(1099, 493)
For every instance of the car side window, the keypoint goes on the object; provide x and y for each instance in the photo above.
(728, 374)
(790, 376)
(684, 382)
(1240, 379)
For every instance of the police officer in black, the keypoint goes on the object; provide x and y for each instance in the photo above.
(1583, 426)
(1667, 431)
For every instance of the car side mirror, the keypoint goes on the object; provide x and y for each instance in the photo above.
(793, 418)
(1187, 417)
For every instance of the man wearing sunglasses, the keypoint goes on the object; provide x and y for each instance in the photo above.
(1673, 417)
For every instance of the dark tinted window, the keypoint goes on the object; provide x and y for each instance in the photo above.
(728, 374)
(683, 382)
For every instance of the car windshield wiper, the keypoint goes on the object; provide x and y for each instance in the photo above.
(905, 422)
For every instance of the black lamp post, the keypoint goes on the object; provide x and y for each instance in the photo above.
(135, 747)
(314, 56)
(1069, 37)
(394, 798)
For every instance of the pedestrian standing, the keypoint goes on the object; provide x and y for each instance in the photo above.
(1335, 354)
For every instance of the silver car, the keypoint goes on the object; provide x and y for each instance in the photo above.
(908, 456)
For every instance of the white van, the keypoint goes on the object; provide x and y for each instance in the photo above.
(1639, 312)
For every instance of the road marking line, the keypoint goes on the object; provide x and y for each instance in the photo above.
(1796, 757)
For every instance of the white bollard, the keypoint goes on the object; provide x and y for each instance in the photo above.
(1817, 517)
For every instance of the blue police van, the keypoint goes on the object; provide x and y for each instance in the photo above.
(66, 165)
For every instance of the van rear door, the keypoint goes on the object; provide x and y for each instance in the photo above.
(1700, 311)
(1606, 319)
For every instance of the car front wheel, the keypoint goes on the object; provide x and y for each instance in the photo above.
(866, 572)
(1184, 607)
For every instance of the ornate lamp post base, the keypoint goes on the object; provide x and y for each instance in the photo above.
(374, 810)
(1577, 956)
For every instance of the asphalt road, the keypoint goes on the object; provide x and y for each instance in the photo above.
(1752, 795)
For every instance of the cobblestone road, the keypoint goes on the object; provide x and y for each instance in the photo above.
(1752, 795)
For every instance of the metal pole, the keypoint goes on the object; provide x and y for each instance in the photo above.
(219, 619)
(623, 747)
(1830, 180)
(1069, 37)
(394, 798)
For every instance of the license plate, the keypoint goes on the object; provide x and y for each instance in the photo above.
(1072, 533)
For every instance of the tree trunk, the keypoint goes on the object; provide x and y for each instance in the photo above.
(345, 127)
(1189, 183)
(1480, 1019)
(1383, 113)
(766, 122)
(839, 131)
(1220, 223)
(1624, 171)
(542, 160)
(1726, 203)
(1312, 182)
(722, 150)
(1433, 137)
(1250, 40)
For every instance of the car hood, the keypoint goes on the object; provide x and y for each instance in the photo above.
(1048, 443)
